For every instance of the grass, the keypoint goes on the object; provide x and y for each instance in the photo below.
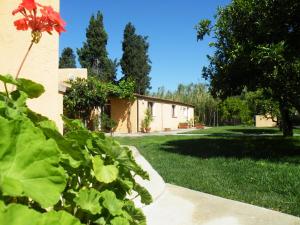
(263, 171)
(239, 130)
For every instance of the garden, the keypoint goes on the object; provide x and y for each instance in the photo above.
(260, 170)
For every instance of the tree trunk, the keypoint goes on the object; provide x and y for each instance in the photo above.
(286, 122)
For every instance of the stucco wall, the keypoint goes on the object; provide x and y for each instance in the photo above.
(262, 121)
(162, 114)
(124, 112)
(41, 65)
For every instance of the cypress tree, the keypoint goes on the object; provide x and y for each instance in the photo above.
(93, 55)
(67, 58)
(135, 62)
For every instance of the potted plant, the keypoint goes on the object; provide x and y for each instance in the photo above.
(147, 121)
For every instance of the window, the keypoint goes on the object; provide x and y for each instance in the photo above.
(173, 111)
(150, 107)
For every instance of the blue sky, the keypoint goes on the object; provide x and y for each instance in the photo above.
(176, 55)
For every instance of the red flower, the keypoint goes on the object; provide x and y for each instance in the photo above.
(21, 24)
(29, 4)
(48, 21)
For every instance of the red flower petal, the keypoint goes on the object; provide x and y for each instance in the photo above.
(19, 9)
(29, 4)
(21, 24)
(49, 21)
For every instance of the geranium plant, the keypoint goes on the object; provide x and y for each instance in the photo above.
(47, 178)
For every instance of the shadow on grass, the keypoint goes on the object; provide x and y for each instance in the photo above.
(254, 131)
(268, 148)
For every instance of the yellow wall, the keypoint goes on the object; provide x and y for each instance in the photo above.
(124, 112)
(41, 65)
(262, 121)
(162, 114)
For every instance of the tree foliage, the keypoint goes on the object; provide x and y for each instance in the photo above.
(135, 62)
(86, 95)
(197, 95)
(67, 58)
(93, 54)
(257, 46)
(46, 178)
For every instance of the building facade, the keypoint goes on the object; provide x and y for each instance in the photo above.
(167, 114)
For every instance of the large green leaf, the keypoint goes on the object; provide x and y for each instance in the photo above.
(59, 218)
(16, 214)
(136, 214)
(119, 221)
(29, 163)
(8, 79)
(105, 174)
(111, 203)
(146, 197)
(32, 89)
(88, 199)
(70, 152)
(121, 154)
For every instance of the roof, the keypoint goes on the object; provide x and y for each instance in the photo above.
(162, 100)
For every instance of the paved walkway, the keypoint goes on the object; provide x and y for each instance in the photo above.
(181, 206)
(174, 205)
(158, 133)
(182, 132)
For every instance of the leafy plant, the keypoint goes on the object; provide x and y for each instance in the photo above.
(107, 123)
(147, 120)
(86, 95)
(82, 177)
(46, 178)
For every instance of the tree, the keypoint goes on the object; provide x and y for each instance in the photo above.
(86, 95)
(257, 46)
(135, 62)
(234, 110)
(67, 58)
(93, 55)
(195, 94)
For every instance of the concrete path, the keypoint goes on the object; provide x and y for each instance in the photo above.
(158, 133)
(181, 206)
(174, 205)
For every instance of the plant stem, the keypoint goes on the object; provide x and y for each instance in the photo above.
(24, 59)
(5, 85)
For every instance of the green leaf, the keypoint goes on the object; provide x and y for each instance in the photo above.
(105, 174)
(119, 221)
(59, 218)
(146, 197)
(8, 79)
(88, 199)
(29, 163)
(122, 155)
(100, 221)
(71, 153)
(32, 89)
(111, 203)
(15, 214)
(136, 214)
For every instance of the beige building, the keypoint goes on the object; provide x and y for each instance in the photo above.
(264, 121)
(42, 67)
(167, 114)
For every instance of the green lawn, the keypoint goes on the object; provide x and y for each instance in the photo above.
(263, 171)
(239, 130)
